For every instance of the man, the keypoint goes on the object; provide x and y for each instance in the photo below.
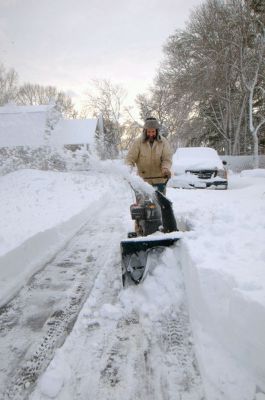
(152, 155)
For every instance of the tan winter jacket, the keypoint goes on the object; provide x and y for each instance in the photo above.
(150, 159)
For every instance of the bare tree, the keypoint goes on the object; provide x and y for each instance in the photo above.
(107, 100)
(131, 130)
(207, 77)
(8, 85)
(160, 102)
(34, 94)
(252, 64)
(201, 63)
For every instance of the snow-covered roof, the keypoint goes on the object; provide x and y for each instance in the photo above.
(23, 125)
(14, 109)
(195, 158)
(74, 131)
(26, 125)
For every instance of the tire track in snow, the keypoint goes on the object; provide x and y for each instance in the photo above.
(150, 359)
(130, 355)
(145, 362)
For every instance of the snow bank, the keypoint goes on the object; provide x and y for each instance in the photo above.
(40, 212)
(20, 263)
(254, 173)
(229, 333)
(223, 261)
(32, 201)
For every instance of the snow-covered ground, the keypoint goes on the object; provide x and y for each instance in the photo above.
(223, 261)
(215, 275)
(40, 212)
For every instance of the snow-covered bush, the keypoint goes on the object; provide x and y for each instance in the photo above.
(43, 158)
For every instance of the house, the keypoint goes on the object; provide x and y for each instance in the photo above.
(74, 133)
(42, 125)
(24, 125)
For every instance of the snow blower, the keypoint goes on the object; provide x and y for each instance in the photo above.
(153, 214)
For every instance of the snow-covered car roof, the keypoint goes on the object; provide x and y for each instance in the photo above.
(196, 158)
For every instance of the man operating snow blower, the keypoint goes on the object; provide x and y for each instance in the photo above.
(152, 155)
(152, 213)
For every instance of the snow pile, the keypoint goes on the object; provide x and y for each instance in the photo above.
(223, 260)
(40, 212)
(254, 173)
(32, 201)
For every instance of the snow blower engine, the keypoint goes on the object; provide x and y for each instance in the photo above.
(151, 213)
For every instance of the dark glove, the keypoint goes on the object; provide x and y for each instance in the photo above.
(166, 173)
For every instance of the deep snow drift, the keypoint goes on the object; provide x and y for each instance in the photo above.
(222, 260)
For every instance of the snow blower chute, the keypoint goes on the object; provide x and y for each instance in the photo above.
(151, 213)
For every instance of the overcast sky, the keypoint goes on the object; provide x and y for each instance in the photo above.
(67, 43)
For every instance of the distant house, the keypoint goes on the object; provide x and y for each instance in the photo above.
(38, 126)
(24, 125)
(74, 133)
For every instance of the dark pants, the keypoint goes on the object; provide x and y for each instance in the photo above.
(161, 187)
